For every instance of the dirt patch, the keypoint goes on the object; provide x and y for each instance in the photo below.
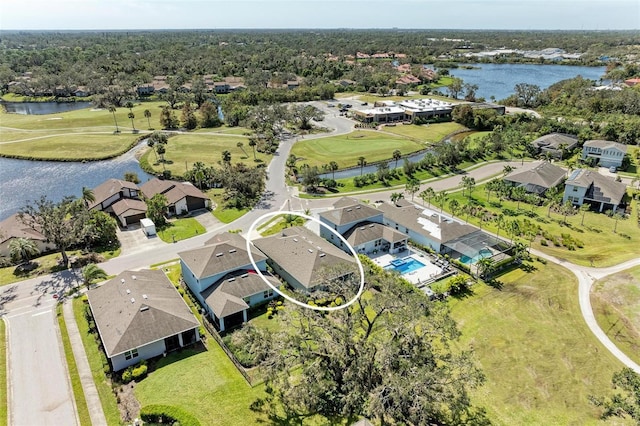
(127, 402)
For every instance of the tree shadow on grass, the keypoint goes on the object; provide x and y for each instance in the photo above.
(176, 356)
(285, 417)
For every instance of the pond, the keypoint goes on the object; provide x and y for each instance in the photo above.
(41, 108)
(499, 80)
(23, 180)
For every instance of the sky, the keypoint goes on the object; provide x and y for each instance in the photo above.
(418, 14)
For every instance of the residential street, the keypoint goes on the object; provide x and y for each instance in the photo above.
(39, 389)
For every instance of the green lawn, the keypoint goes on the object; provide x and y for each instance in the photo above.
(97, 362)
(70, 147)
(540, 359)
(76, 384)
(424, 133)
(3, 375)
(224, 215)
(596, 233)
(346, 149)
(616, 305)
(180, 229)
(280, 224)
(185, 149)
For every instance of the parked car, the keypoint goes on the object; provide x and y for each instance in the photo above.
(612, 169)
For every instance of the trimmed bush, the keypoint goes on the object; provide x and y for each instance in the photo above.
(139, 372)
(167, 414)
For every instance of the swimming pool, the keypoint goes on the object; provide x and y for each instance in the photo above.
(481, 254)
(409, 264)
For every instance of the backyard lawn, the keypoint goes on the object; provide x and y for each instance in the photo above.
(424, 133)
(616, 305)
(540, 359)
(346, 149)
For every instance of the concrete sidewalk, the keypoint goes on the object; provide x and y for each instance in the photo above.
(89, 387)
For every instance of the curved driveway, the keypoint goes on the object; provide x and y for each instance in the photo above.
(29, 398)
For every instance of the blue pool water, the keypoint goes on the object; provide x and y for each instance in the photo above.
(470, 260)
(409, 264)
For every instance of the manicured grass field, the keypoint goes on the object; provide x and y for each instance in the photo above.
(186, 149)
(224, 215)
(540, 359)
(76, 384)
(616, 304)
(3, 375)
(180, 229)
(346, 149)
(596, 233)
(97, 361)
(424, 133)
(70, 147)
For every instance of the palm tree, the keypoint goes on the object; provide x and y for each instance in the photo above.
(131, 117)
(412, 186)
(147, 115)
(22, 249)
(241, 146)
(484, 266)
(454, 206)
(396, 156)
(226, 158)
(554, 196)
(440, 198)
(88, 196)
(469, 183)
(91, 273)
(112, 109)
(584, 208)
(518, 193)
(506, 170)
(129, 105)
(161, 150)
(252, 144)
(616, 217)
(427, 195)
(361, 162)
(151, 143)
(333, 166)
(395, 196)
(291, 162)
(499, 222)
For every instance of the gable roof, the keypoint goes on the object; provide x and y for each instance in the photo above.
(13, 227)
(129, 207)
(138, 308)
(365, 232)
(596, 143)
(173, 190)
(302, 253)
(599, 187)
(109, 188)
(349, 210)
(225, 296)
(432, 225)
(223, 253)
(539, 178)
(554, 140)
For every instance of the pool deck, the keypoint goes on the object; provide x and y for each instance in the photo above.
(419, 275)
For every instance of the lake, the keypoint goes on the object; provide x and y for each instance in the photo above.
(41, 108)
(500, 79)
(23, 180)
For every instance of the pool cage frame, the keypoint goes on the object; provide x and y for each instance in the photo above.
(470, 245)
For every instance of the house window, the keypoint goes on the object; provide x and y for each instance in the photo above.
(575, 189)
(332, 236)
(133, 353)
(267, 293)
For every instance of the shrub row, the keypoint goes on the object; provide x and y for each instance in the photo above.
(167, 414)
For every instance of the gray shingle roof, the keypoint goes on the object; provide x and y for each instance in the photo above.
(225, 253)
(365, 232)
(126, 319)
(538, 179)
(599, 188)
(554, 140)
(349, 210)
(605, 144)
(302, 253)
(225, 296)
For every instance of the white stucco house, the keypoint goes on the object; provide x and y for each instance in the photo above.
(605, 153)
(601, 192)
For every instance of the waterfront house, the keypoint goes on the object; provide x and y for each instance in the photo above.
(601, 192)
(12, 228)
(120, 198)
(182, 197)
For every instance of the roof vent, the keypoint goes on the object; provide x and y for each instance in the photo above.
(133, 277)
(323, 254)
(310, 251)
(319, 248)
(244, 275)
(371, 226)
(232, 251)
(144, 296)
(295, 239)
(122, 280)
(232, 279)
(144, 308)
(349, 210)
(362, 228)
(128, 291)
(219, 254)
(357, 207)
(133, 300)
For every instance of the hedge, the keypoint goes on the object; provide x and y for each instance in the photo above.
(169, 415)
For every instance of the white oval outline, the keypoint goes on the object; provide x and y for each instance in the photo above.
(289, 298)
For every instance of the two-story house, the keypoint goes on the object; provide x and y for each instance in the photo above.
(601, 192)
(121, 198)
(604, 153)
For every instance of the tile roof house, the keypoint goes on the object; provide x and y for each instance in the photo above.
(605, 153)
(140, 315)
(115, 195)
(12, 228)
(538, 179)
(601, 192)
(553, 142)
(222, 278)
(297, 254)
(182, 197)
